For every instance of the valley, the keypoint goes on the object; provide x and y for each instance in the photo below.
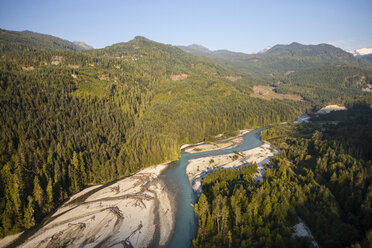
(87, 136)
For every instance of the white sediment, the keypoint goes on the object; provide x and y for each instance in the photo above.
(330, 108)
(136, 210)
(226, 144)
(7, 240)
(198, 168)
(301, 230)
(123, 213)
(188, 145)
(304, 118)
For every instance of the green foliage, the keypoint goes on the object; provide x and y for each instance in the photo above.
(325, 178)
(367, 58)
(323, 85)
(281, 59)
(71, 119)
(321, 73)
(30, 41)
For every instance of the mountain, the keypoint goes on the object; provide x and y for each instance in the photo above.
(31, 41)
(363, 53)
(196, 49)
(282, 59)
(265, 49)
(318, 73)
(82, 45)
(71, 119)
(297, 49)
(367, 57)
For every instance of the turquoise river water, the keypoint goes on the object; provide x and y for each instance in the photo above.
(179, 186)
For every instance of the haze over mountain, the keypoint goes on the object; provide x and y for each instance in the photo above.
(82, 45)
(265, 49)
(361, 51)
(196, 49)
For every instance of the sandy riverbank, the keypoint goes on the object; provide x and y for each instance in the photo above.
(7, 240)
(329, 108)
(197, 169)
(136, 211)
(225, 144)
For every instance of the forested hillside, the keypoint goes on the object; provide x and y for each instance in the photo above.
(321, 177)
(335, 84)
(30, 41)
(320, 74)
(282, 59)
(295, 56)
(72, 118)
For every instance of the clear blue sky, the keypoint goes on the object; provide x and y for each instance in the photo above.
(245, 26)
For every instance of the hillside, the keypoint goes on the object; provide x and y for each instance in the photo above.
(327, 84)
(76, 118)
(196, 50)
(321, 179)
(82, 45)
(367, 57)
(297, 49)
(31, 41)
(282, 59)
(319, 74)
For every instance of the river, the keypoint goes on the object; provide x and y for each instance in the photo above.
(178, 184)
(101, 204)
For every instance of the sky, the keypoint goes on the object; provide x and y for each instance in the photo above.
(244, 26)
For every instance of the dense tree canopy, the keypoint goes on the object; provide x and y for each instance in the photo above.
(75, 118)
(322, 176)
(71, 119)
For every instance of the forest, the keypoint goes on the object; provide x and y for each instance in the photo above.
(70, 119)
(321, 177)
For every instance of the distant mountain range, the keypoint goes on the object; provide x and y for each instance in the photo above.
(363, 53)
(279, 59)
(264, 65)
(31, 41)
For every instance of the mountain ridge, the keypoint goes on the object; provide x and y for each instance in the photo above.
(33, 41)
(83, 45)
(280, 59)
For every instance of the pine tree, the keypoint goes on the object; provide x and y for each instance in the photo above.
(29, 219)
(49, 191)
(38, 192)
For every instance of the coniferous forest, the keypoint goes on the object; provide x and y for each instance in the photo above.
(322, 177)
(71, 118)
